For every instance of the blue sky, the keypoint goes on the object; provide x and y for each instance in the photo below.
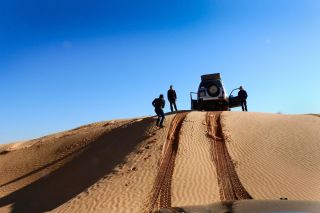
(66, 63)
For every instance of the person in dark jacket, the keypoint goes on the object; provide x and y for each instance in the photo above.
(159, 104)
(242, 94)
(172, 97)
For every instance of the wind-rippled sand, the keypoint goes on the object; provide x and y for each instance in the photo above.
(196, 160)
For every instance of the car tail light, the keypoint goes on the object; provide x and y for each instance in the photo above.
(202, 93)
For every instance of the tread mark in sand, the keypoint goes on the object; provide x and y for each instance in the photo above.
(230, 187)
(161, 190)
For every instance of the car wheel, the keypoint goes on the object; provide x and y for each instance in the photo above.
(213, 90)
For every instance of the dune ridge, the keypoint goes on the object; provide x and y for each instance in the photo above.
(195, 177)
(162, 184)
(114, 166)
(229, 184)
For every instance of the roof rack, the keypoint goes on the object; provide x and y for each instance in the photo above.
(208, 77)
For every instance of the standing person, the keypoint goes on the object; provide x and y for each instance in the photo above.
(172, 97)
(242, 94)
(159, 104)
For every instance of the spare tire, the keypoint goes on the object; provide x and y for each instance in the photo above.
(213, 90)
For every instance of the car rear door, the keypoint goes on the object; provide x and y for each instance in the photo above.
(234, 101)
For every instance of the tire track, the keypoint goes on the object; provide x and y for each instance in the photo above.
(230, 187)
(161, 190)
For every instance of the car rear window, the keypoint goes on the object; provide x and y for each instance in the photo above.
(208, 83)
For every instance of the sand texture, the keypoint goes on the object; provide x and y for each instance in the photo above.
(200, 161)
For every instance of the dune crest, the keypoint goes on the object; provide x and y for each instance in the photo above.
(133, 166)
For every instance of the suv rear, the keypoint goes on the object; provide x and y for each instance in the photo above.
(212, 95)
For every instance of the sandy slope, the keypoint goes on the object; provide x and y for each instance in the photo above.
(276, 155)
(132, 166)
(195, 178)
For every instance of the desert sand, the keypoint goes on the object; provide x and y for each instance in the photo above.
(200, 161)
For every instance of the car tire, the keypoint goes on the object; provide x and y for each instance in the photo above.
(213, 90)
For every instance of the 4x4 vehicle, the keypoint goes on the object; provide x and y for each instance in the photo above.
(212, 95)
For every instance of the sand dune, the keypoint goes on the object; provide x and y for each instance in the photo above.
(198, 158)
(276, 155)
(195, 177)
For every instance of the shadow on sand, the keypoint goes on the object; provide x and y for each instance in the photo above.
(176, 112)
(245, 206)
(97, 160)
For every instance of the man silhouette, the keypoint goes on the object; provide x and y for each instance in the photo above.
(159, 104)
(242, 94)
(172, 97)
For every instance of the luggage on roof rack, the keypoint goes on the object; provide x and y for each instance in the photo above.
(208, 77)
